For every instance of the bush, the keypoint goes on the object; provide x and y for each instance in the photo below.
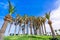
(16, 34)
(11, 34)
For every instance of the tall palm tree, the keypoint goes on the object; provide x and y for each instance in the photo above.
(7, 19)
(44, 20)
(31, 25)
(34, 24)
(16, 23)
(20, 23)
(24, 19)
(50, 24)
(40, 25)
(27, 20)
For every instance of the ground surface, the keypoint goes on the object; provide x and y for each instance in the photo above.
(28, 37)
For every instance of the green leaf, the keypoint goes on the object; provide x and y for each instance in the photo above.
(11, 8)
(48, 15)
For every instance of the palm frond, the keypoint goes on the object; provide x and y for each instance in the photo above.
(11, 7)
(25, 16)
(47, 15)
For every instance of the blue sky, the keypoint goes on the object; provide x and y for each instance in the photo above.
(29, 7)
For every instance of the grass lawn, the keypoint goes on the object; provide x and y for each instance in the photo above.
(28, 37)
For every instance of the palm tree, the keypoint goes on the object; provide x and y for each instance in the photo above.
(50, 24)
(27, 20)
(7, 19)
(16, 23)
(34, 25)
(20, 23)
(40, 24)
(24, 19)
(43, 21)
(31, 25)
(3, 29)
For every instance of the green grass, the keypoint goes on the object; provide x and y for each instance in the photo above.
(28, 37)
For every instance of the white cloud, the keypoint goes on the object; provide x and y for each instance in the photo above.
(57, 3)
(55, 16)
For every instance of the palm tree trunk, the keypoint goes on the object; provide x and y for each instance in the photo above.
(15, 30)
(24, 29)
(10, 28)
(36, 31)
(45, 29)
(53, 34)
(3, 29)
(31, 28)
(34, 28)
(42, 30)
(1, 36)
(27, 28)
(19, 30)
